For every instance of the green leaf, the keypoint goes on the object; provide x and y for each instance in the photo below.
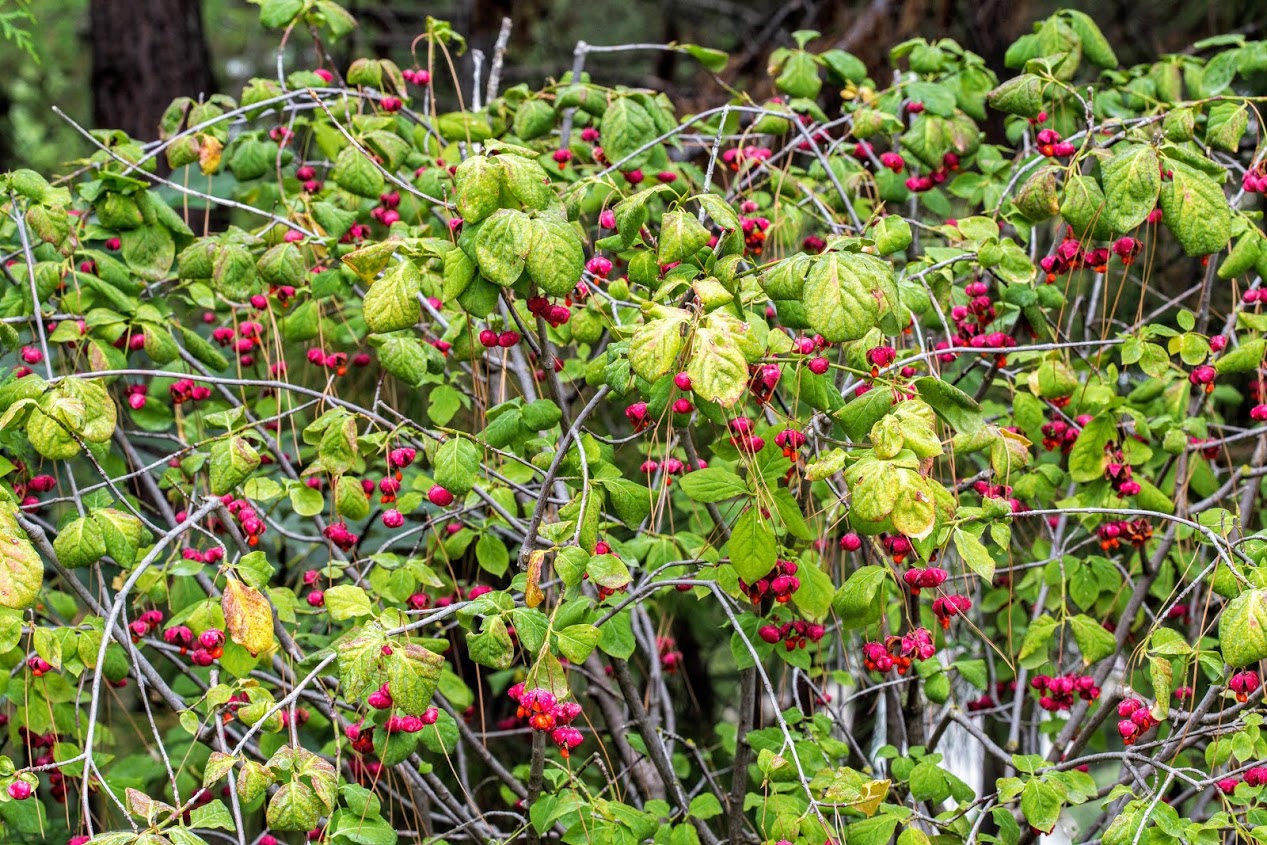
(1087, 459)
(816, 593)
(950, 403)
(391, 303)
(681, 236)
(492, 646)
(576, 642)
(1022, 95)
(555, 258)
(655, 345)
(1082, 205)
(799, 76)
(80, 543)
(356, 174)
(294, 806)
(1093, 640)
(752, 545)
(21, 570)
(457, 465)
(974, 553)
(717, 367)
(232, 461)
(478, 184)
(347, 601)
(843, 294)
(502, 245)
(491, 553)
(713, 484)
(1225, 125)
(1243, 359)
(892, 234)
(626, 127)
(412, 674)
(1041, 804)
(1195, 210)
(1132, 183)
(1095, 47)
(276, 14)
(122, 533)
(1243, 629)
(860, 600)
(149, 251)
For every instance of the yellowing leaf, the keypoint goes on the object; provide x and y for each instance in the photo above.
(247, 617)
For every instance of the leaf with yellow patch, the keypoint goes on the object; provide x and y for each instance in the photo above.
(247, 617)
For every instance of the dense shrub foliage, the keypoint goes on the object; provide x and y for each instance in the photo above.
(567, 468)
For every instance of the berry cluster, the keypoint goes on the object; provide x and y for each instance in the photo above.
(670, 656)
(146, 624)
(947, 607)
(971, 321)
(555, 315)
(919, 184)
(999, 491)
(545, 713)
(1243, 684)
(248, 520)
(1059, 692)
(1118, 473)
(184, 390)
(1059, 434)
(1254, 181)
(1137, 532)
(924, 579)
(898, 652)
(1051, 145)
(338, 533)
(897, 546)
(210, 645)
(742, 438)
(411, 724)
(737, 158)
(762, 379)
(386, 210)
(490, 339)
(793, 635)
(1137, 720)
(780, 582)
(1203, 376)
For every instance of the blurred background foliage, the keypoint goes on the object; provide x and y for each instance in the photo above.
(118, 63)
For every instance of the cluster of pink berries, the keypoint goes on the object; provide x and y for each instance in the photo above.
(146, 624)
(898, 652)
(418, 76)
(742, 437)
(308, 175)
(1059, 434)
(946, 608)
(1137, 532)
(970, 323)
(920, 184)
(670, 465)
(337, 361)
(670, 656)
(754, 233)
(184, 390)
(545, 713)
(999, 491)
(490, 339)
(897, 546)
(736, 158)
(924, 579)
(555, 315)
(1203, 376)
(793, 635)
(762, 379)
(1118, 473)
(338, 533)
(1137, 720)
(358, 232)
(1051, 145)
(411, 724)
(248, 519)
(1057, 693)
(208, 647)
(386, 210)
(789, 440)
(1243, 684)
(36, 484)
(780, 582)
(1255, 180)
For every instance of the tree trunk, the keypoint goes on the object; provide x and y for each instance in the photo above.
(145, 53)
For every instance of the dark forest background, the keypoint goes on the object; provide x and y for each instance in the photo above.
(118, 63)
